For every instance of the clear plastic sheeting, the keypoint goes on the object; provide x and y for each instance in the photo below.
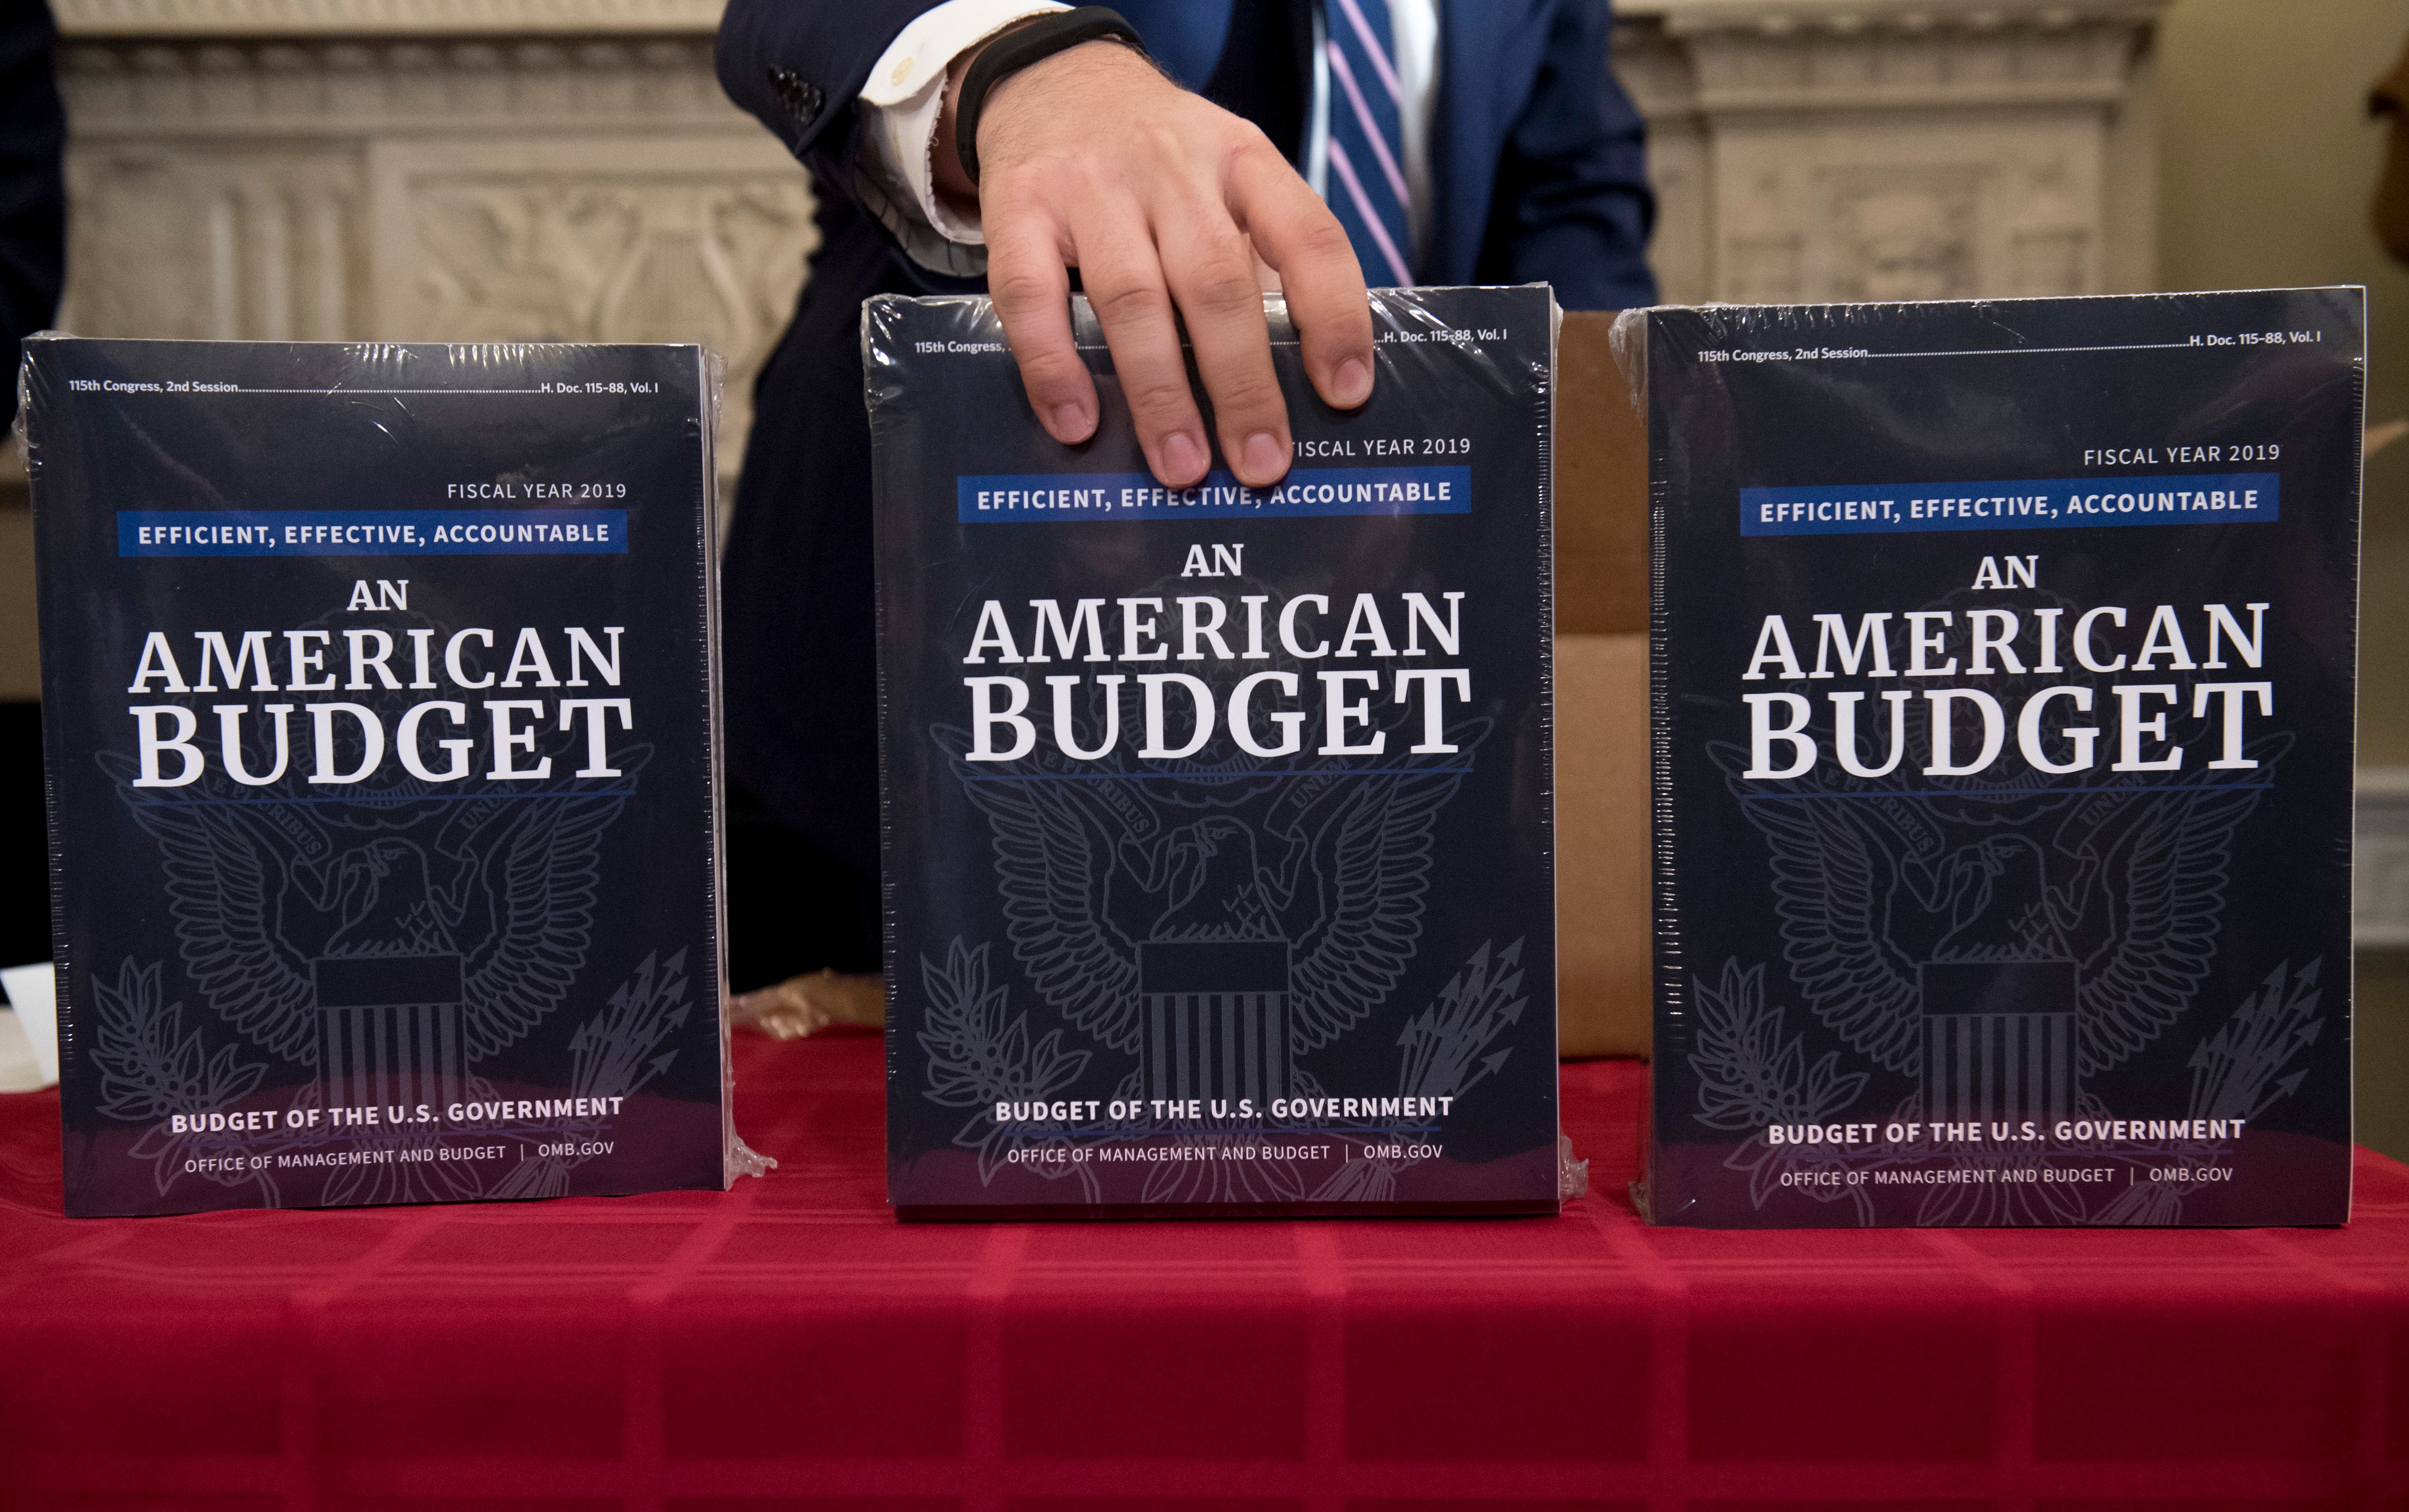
(1572, 1172)
(2003, 665)
(380, 734)
(1218, 820)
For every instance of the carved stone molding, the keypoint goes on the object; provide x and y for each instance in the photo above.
(1814, 150)
(498, 168)
(240, 17)
(441, 188)
(357, 88)
(1859, 17)
(381, 18)
(497, 241)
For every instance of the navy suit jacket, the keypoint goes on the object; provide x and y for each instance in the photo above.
(33, 197)
(1536, 154)
(1537, 177)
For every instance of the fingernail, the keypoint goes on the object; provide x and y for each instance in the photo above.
(1265, 458)
(1070, 423)
(1182, 457)
(1354, 381)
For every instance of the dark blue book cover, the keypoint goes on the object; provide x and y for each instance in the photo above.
(1218, 826)
(378, 735)
(2004, 668)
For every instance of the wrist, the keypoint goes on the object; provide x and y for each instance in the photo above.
(944, 155)
(1073, 40)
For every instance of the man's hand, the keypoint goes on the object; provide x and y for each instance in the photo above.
(1091, 159)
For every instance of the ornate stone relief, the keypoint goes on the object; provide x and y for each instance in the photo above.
(529, 168)
(559, 240)
(275, 17)
(1807, 150)
(438, 189)
(206, 243)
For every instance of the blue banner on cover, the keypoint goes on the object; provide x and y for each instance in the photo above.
(371, 532)
(2033, 503)
(1305, 493)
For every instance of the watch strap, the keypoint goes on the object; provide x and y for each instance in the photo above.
(1017, 50)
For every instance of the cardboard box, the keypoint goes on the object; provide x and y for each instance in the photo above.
(1602, 887)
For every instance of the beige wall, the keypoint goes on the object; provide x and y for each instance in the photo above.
(2268, 157)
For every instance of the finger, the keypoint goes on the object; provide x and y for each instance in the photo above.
(1210, 268)
(1032, 290)
(1296, 234)
(1122, 272)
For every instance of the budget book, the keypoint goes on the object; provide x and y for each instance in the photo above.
(379, 731)
(2002, 670)
(1217, 820)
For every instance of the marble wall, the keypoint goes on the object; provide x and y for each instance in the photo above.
(236, 181)
(481, 169)
(1837, 150)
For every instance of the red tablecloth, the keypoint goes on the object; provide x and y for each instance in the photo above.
(788, 1345)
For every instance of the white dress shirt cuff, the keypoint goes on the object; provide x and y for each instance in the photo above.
(899, 106)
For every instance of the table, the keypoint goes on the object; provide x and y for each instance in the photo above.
(787, 1345)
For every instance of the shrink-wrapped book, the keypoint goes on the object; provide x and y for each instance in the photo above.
(379, 726)
(2002, 665)
(1217, 820)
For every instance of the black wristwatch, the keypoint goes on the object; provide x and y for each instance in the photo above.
(1017, 50)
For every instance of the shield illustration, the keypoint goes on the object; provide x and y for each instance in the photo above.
(389, 1031)
(1215, 1019)
(1998, 1039)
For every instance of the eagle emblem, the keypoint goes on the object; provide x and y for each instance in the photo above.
(2001, 942)
(391, 939)
(1221, 921)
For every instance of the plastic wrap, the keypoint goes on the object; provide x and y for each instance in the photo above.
(2002, 661)
(380, 734)
(1300, 961)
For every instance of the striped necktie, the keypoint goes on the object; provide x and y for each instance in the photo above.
(1367, 176)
